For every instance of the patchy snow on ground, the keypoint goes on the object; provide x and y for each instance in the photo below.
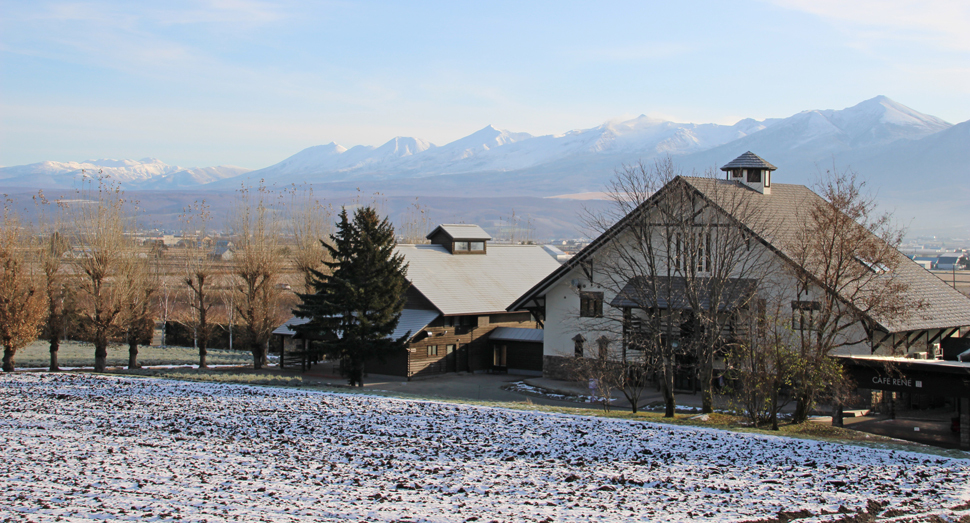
(117, 448)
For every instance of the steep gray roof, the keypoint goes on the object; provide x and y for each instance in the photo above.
(411, 320)
(516, 334)
(461, 231)
(475, 283)
(748, 160)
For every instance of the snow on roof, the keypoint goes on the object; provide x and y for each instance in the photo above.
(516, 334)
(475, 284)
(461, 231)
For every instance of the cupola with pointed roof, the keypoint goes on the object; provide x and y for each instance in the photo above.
(460, 238)
(750, 170)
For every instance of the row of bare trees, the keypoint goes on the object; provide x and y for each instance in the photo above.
(79, 270)
(696, 281)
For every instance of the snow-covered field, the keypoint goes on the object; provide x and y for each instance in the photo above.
(99, 447)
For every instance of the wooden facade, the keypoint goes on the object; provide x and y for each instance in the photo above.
(451, 344)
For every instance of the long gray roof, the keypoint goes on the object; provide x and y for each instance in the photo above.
(475, 283)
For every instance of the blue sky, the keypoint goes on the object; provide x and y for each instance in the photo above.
(249, 83)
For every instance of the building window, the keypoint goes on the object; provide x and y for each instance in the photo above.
(604, 345)
(803, 315)
(432, 350)
(449, 349)
(699, 253)
(703, 252)
(578, 341)
(754, 175)
(461, 247)
(499, 355)
(591, 304)
(477, 246)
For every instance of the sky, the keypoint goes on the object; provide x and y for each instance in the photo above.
(249, 83)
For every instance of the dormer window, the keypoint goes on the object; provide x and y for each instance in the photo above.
(754, 175)
(462, 246)
(460, 238)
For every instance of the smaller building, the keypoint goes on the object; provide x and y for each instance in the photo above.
(951, 261)
(456, 306)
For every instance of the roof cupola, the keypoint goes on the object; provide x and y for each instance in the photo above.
(751, 170)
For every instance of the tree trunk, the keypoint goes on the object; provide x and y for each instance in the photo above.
(100, 355)
(774, 408)
(133, 354)
(55, 345)
(802, 408)
(202, 355)
(837, 412)
(667, 389)
(706, 377)
(257, 357)
(8, 359)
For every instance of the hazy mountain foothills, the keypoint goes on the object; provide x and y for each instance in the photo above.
(917, 163)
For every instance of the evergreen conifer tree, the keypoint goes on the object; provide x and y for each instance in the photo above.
(356, 307)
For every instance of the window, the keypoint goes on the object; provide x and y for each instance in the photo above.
(754, 175)
(432, 350)
(578, 341)
(465, 246)
(703, 252)
(803, 315)
(499, 355)
(591, 304)
(460, 321)
(699, 252)
(449, 349)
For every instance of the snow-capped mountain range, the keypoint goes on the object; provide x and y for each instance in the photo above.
(147, 173)
(870, 137)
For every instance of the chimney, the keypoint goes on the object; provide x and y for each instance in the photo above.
(750, 170)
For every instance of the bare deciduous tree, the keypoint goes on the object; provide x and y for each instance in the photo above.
(103, 258)
(682, 267)
(415, 224)
(199, 276)
(56, 283)
(138, 318)
(606, 371)
(256, 266)
(845, 260)
(22, 307)
(310, 224)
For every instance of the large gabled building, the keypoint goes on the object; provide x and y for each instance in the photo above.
(569, 300)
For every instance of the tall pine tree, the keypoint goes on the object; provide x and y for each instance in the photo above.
(356, 307)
